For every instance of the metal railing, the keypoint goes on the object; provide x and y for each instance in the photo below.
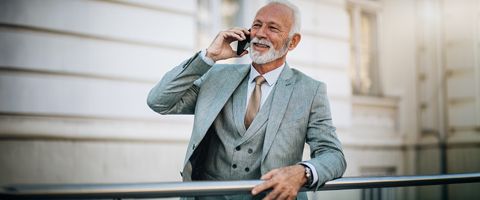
(208, 188)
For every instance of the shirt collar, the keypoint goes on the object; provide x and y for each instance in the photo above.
(271, 77)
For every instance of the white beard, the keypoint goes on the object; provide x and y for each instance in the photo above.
(268, 56)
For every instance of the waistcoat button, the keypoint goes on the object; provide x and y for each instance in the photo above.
(247, 169)
(238, 148)
(250, 151)
(234, 166)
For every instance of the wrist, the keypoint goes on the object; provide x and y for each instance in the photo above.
(210, 56)
(308, 174)
(206, 59)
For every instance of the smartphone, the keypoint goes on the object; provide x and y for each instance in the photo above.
(243, 45)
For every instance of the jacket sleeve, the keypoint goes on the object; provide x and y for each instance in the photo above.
(177, 92)
(325, 148)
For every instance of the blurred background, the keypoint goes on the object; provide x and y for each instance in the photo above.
(403, 80)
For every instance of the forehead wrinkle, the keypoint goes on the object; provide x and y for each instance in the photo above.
(276, 12)
(268, 22)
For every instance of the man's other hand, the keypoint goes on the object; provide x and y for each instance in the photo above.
(285, 182)
(220, 48)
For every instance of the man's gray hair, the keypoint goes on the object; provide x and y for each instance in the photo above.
(297, 21)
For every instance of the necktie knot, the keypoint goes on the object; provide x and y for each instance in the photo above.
(259, 80)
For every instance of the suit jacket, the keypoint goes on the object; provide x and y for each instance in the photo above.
(299, 114)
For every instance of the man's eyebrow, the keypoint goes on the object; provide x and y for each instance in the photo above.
(269, 23)
(257, 20)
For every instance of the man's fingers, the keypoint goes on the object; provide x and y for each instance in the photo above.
(269, 175)
(284, 195)
(281, 193)
(240, 33)
(244, 30)
(242, 54)
(232, 34)
(262, 187)
(272, 195)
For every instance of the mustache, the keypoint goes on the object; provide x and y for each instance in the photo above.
(261, 41)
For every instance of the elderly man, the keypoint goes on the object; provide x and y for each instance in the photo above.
(252, 121)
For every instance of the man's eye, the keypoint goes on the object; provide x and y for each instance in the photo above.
(274, 29)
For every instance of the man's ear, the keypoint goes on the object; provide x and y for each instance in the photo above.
(294, 42)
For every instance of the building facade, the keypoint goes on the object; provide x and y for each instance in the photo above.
(403, 81)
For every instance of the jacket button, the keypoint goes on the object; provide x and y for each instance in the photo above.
(238, 148)
(234, 166)
(247, 169)
(250, 151)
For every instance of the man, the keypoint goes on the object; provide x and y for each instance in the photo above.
(252, 121)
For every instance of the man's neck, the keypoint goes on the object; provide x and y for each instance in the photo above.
(267, 67)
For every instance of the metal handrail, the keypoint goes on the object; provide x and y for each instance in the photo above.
(208, 188)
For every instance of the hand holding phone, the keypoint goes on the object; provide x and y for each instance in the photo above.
(243, 45)
(221, 48)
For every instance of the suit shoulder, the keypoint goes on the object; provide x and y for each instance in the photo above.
(306, 79)
(227, 67)
(218, 72)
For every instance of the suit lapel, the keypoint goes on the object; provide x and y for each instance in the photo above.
(239, 102)
(215, 99)
(279, 105)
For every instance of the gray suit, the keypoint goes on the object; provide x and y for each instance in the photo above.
(298, 112)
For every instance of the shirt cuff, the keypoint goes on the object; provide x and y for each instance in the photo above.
(206, 59)
(313, 170)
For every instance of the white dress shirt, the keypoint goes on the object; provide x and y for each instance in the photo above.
(271, 78)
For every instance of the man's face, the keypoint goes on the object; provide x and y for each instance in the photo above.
(269, 33)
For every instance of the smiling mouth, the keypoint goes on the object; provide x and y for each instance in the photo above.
(256, 44)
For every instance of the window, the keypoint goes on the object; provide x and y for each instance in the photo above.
(364, 68)
(214, 16)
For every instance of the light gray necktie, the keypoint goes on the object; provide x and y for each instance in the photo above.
(254, 102)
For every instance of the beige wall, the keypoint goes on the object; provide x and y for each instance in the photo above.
(74, 76)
